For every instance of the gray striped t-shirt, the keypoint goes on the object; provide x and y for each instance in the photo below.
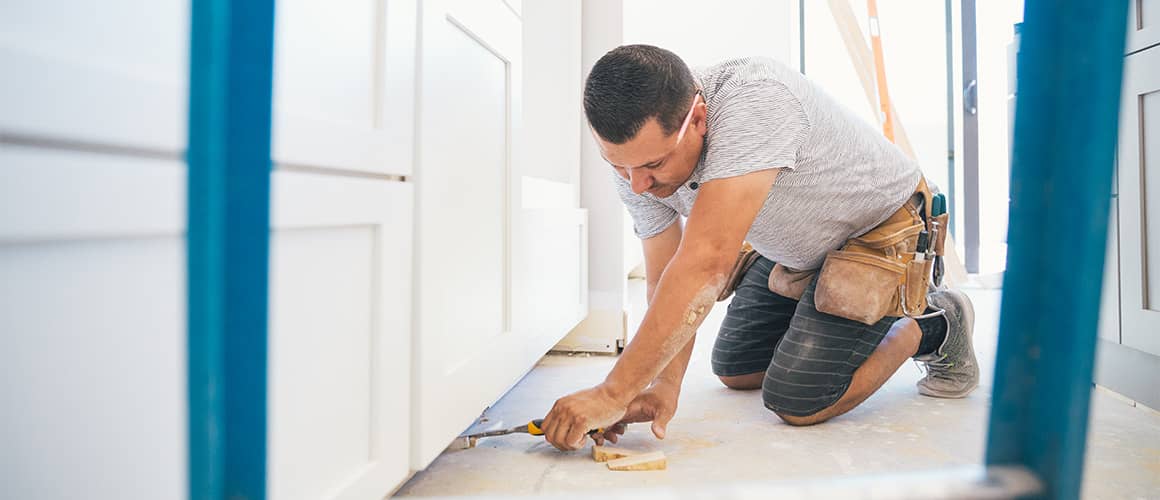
(840, 177)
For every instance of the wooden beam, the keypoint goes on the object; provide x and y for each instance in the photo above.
(863, 61)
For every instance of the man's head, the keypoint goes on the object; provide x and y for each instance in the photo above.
(648, 116)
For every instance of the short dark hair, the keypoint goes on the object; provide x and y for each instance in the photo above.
(633, 83)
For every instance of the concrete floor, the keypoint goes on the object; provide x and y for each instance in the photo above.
(724, 435)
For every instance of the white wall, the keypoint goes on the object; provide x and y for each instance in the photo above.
(995, 25)
(704, 34)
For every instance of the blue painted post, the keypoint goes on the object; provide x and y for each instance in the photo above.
(230, 78)
(1070, 65)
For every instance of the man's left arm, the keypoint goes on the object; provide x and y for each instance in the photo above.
(720, 218)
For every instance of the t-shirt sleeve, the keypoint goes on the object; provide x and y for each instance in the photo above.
(758, 125)
(649, 216)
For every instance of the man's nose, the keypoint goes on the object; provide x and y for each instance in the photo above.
(641, 181)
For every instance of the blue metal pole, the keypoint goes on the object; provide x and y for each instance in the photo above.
(1070, 65)
(230, 78)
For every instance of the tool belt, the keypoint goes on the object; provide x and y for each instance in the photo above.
(873, 275)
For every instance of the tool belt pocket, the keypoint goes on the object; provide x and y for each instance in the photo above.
(745, 260)
(788, 282)
(876, 275)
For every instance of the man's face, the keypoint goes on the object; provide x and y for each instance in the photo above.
(657, 163)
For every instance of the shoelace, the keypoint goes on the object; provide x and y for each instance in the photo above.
(939, 364)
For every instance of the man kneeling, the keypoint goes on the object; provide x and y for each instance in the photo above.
(750, 150)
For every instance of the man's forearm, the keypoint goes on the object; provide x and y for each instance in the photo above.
(674, 373)
(686, 292)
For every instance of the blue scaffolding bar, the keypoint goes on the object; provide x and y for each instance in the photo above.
(230, 78)
(1070, 65)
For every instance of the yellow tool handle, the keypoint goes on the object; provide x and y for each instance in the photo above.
(535, 428)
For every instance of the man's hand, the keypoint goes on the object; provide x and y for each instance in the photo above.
(566, 426)
(656, 404)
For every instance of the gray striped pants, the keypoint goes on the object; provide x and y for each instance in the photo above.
(808, 357)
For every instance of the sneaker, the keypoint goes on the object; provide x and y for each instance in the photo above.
(952, 370)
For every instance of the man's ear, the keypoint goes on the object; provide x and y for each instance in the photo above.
(701, 117)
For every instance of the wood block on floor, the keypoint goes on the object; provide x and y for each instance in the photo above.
(645, 461)
(606, 453)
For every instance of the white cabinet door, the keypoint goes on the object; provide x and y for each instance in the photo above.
(1109, 325)
(92, 249)
(92, 326)
(110, 75)
(344, 84)
(339, 337)
(466, 351)
(501, 249)
(1143, 24)
(1139, 200)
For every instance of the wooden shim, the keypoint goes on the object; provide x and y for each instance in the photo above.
(645, 461)
(606, 453)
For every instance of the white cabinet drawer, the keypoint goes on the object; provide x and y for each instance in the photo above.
(344, 85)
(92, 326)
(339, 336)
(110, 73)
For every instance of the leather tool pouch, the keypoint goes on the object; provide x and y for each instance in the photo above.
(876, 274)
(745, 260)
(789, 282)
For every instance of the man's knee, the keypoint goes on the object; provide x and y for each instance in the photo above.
(786, 410)
(798, 421)
(747, 382)
(799, 398)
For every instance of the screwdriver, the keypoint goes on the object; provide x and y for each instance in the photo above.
(535, 428)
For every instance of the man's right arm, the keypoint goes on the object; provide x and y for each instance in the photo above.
(658, 403)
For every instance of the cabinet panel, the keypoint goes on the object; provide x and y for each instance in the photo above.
(1143, 24)
(112, 73)
(321, 294)
(1139, 197)
(343, 85)
(553, 80)
(1109, 325)
(465, 157)
(550, 277)
(339, 336)
(92, 326)
(465, 347)
(1150, 194)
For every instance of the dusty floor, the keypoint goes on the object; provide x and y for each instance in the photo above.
(724, 435)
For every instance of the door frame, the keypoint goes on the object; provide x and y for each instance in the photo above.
(230, 101)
